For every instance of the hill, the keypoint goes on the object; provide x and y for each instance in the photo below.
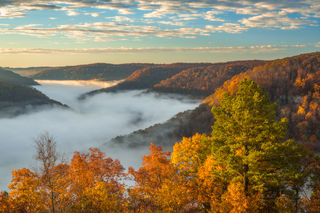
(293, 83)
(17, 99)
(100, 71)
(13, 78)
(147, 77)
(203, 80)
(191, 79)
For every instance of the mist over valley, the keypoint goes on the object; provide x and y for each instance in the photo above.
(86, 123)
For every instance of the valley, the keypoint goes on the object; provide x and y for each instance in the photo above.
(158, 104)
(83, 124)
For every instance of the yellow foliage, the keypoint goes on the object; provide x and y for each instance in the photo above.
(301, 110)
(190, 153)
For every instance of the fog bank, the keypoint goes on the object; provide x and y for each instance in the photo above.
(89, 123)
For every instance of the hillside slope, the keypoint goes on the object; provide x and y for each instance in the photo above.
(203, 80)
(294, 83)
(13, 78)
(146, 78)
(100, 71)
(17, 99)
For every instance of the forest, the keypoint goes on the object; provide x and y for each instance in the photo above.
(248, 163)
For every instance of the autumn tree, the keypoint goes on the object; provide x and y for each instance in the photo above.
(247, 159)
(158, 186)
(96, 183)
(47, 155)
(6, 205)
(26, 193)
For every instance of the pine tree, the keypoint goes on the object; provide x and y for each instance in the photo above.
(250, 145)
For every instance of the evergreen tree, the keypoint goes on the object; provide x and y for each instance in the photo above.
(249, 143)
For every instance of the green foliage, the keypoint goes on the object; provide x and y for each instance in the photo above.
(250, 143)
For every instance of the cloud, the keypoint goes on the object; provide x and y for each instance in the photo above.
(173, 23)
(90, 123)
(227, 27)
(93, 14)
(257, 48)
(273, 20)
(210, 16)
(284, 15)
(72, 13)
(122, 19)
(189, 16)
(104, 30)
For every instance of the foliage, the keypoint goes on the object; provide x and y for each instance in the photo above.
(202, 80)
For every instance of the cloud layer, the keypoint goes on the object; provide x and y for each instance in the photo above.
(89, 124)
(230, 49)
(247, 14)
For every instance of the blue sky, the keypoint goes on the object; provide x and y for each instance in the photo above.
(69, 32)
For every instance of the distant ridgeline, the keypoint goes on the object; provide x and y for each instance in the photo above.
(17, 97)
(193, 79)
(100, 71)
(293, 83)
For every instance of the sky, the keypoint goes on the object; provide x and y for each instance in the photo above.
(71, 32)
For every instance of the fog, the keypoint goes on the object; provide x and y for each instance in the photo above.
(89, 123)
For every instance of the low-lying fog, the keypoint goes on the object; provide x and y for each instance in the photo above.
(89, 123)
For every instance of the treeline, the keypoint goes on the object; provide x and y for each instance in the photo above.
(13, 93)
(100, 71)
(147, 77)
(202, 80)
(247, 164)
(13, 78)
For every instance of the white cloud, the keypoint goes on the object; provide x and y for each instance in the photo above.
(173, 23)
(210, 16)
(273, 20)
(72, 13)
(122, 19)
(227, 27)
(187, 17)
(93, 14)
(228, 49)
(89, 31)
(52, 18)
(258, 11)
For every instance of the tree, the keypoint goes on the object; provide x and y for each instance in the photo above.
(95, 182)
(6, 205)
(158, 186)
(250, 144)
(47, 155)
(26, 193)
(247, 162)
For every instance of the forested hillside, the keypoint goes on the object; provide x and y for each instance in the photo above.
(11, 77)
(16, 99)
(103, 72)
(293, 83)
(202, 80)
(146, 78)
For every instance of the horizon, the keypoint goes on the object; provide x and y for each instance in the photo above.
(151, 63)
(72, 32)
